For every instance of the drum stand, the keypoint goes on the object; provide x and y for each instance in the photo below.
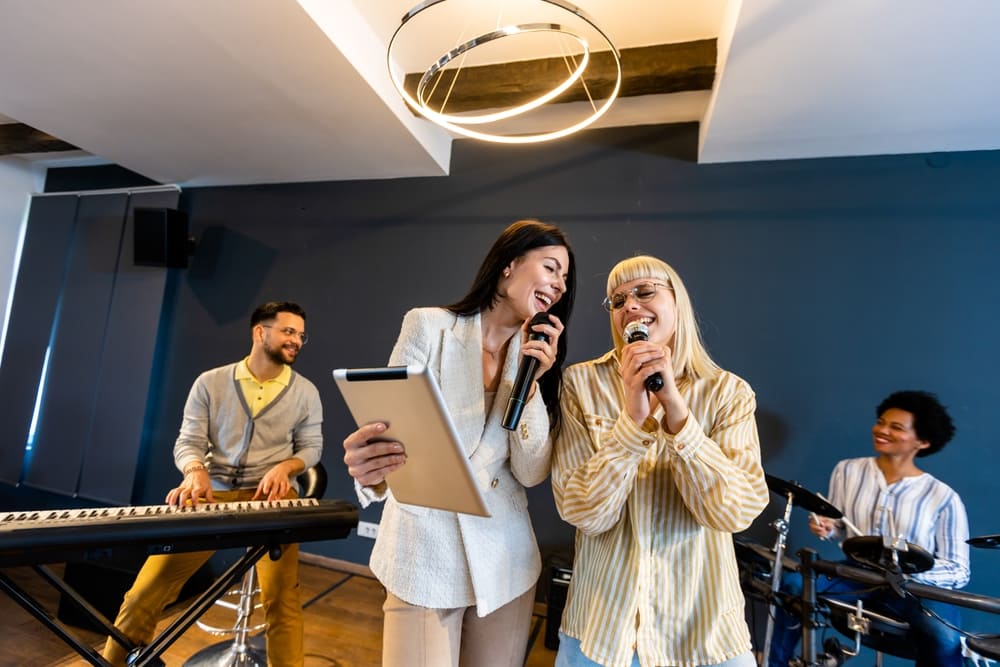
(781, 526)
(810, 612)
(859, 620)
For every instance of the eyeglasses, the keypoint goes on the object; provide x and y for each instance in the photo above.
(642, 293)
(289, 331)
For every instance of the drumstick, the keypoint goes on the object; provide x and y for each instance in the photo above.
(847, 522)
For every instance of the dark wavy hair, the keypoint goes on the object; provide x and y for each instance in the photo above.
(513, 242)
(931, 421)
(266, 312)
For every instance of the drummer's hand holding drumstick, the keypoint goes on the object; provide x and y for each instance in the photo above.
(821, 526)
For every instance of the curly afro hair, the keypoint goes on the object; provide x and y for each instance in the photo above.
(931, 421)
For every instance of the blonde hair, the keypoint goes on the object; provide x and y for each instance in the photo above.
(690, 357)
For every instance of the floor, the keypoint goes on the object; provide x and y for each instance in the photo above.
(343, 612)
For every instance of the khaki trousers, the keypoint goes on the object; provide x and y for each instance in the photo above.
(421, 637)
(160, 581)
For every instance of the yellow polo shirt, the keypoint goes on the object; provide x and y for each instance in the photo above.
(257, 394)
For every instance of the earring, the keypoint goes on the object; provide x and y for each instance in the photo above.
(506, 273)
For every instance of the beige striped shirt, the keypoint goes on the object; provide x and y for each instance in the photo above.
(655, 573)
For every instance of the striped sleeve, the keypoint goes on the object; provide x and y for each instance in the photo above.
(717, 464)
(951, 556)
(592, 480)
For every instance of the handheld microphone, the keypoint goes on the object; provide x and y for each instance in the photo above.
(525, 376)
(638, 331)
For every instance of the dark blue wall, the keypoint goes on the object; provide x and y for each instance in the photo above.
(825, 283)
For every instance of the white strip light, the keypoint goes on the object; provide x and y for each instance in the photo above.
(458, 123)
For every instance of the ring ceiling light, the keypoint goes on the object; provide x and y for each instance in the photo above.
(459, 123)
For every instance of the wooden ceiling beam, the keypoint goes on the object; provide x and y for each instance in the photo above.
(646, 70)
(19, 139)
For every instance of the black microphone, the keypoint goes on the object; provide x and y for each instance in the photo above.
(525, 376)
(634, 331)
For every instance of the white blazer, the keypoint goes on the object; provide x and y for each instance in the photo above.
(441, 560)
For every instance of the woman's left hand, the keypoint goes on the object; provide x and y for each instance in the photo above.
(542, 350)
(675, 408)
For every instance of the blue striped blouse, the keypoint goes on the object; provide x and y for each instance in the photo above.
(922, 509)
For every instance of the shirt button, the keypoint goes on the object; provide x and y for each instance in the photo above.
(494, 483)
(680, 448)
(647, 443)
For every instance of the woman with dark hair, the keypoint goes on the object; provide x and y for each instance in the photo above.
(460, 588)
(887, 494)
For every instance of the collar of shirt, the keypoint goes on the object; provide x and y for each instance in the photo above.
(243, 373)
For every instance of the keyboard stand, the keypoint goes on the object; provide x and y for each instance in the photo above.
(147, 656)
(32, 606)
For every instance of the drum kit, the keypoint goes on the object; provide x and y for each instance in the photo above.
(875, 561)
(986, 646)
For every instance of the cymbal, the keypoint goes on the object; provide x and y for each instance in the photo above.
(802, 497)
(869, 550)
(985, 542)
(757, 556)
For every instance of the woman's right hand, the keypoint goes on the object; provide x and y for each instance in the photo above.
(370, 457)
(821, 526)
(639, 360)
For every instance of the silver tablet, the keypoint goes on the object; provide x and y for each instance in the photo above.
(407, 398)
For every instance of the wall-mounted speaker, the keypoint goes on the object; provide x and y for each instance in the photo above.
(161, 237)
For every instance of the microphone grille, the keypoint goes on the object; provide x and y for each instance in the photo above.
(636, 328)
(541, 317)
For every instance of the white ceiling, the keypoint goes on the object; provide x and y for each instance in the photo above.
(212, 92)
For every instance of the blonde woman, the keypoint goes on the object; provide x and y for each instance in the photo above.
(655, 481)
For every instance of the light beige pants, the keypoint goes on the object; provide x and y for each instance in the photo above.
(421, 637)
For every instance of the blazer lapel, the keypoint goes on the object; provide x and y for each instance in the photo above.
(508, 375)
(461, 376)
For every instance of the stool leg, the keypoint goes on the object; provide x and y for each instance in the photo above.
(244, 612)
(243, 650)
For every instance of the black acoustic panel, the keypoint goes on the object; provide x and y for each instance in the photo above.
(78, 350)
(40, 276)
(94, 177)
(123, 389)
(160, 237)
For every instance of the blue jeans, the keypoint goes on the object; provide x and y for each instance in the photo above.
(935, 644)
(570, 655)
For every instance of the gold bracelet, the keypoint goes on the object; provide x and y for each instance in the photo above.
(192, 467)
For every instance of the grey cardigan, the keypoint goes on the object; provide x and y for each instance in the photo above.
(239, 449)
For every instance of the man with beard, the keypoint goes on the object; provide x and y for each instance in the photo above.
(249, 429)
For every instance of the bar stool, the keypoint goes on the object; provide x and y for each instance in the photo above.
(247, 649)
